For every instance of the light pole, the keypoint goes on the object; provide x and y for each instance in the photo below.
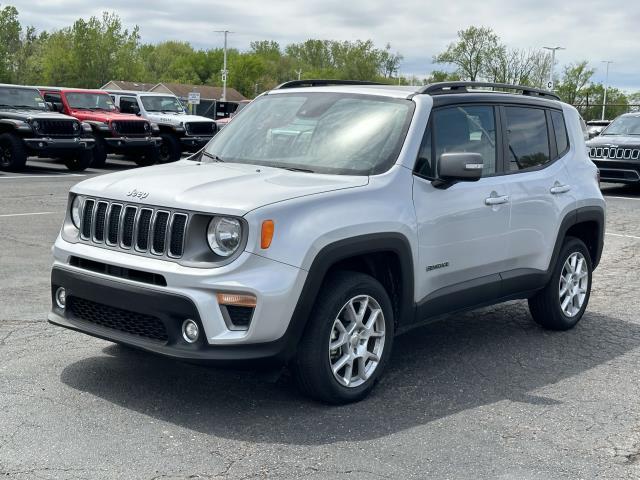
(550, 84)
(299, 72)
(606, 87)
(224, 65)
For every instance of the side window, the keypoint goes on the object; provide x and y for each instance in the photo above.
(467, 128)
(129, 105)
(52, 97)
(528, 138)
(424, 164)
(560, 130)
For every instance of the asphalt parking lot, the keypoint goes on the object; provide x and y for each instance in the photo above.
(483, 395)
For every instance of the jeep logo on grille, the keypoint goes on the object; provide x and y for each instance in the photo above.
(138, 194)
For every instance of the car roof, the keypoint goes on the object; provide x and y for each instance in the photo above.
(24, 87)
(138, 93)
(72, 90)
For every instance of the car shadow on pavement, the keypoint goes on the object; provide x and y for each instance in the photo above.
(441, 369)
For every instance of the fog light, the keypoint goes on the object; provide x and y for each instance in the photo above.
(190, 331)
(40, 144)
(61, 297)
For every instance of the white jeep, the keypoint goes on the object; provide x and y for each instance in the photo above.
(330, 216)
(180, 131)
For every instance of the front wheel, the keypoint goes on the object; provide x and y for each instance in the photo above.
(170, 148)
(13, 154)
(561, 304)
(348, 340)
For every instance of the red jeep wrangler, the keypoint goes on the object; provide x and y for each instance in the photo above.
(114, 132)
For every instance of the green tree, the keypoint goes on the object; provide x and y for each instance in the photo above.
(574, 81)
(10, 30)
(472, 52)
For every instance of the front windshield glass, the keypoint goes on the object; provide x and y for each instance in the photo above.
(161, 104)
(90, 101)
(21, 98)
(624, 126)
(336, 133)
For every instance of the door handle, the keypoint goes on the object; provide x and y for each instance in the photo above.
(560, 189)
(497, 200)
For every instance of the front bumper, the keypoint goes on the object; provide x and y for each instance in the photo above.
(618, 171)
(189, 293)
(45, 144)
(194, 143)
(127, 143)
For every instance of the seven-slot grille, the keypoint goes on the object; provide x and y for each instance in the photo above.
(200, 128)
(145, 229)
(615, 153)
(58, 127)
(131, 127)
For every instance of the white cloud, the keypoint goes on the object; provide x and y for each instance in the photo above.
(418, 29)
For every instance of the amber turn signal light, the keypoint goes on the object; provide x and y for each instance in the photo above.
(267, 234)
(236, 299)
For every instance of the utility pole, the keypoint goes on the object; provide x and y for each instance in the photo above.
(225, 72)
(606, 87)
(299, 72)
(550, 85)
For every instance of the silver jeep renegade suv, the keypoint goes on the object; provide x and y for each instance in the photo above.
(329, 217)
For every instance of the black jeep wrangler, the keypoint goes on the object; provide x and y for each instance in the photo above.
(29, 128)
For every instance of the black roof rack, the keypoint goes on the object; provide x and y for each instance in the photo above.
(322, 83)
(442, 88)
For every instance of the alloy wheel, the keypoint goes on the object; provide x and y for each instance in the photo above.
(574, 282)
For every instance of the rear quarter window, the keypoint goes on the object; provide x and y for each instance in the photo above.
(560, 130)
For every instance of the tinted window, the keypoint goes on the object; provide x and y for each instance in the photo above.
(467, 129)
(128, 105)
(528, 138)
(53, 97)
(560, 129)
(424, 164)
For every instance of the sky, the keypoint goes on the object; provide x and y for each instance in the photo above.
(418, 29)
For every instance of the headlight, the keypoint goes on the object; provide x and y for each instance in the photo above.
(76, 208)
(155, 127)
(224, 235)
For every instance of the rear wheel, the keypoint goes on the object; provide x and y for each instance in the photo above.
(561, 304)
(150, 156)
(170, 149)
(99, 153)
(348, 339)
(13, 154)
(80, 161)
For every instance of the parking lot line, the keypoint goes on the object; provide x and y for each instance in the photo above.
(26, 214)
(622, 235)
(55, 175)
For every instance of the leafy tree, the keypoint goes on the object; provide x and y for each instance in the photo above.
(472, 52)
(10, 31)
(575, 79)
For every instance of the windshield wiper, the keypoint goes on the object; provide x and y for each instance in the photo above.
(212, 156)
(296, 169)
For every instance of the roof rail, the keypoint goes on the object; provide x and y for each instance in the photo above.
(322, 83)
(442, 88)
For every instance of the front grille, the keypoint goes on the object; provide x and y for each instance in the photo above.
(615, 153)
(157, 231)
(131, 127)
(133, 323)
(68, 128)
(200, 128)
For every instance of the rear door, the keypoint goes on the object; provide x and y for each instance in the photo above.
(537, 148)
(463, 229)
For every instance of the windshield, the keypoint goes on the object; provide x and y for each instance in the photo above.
(90, 101)
(21, 98)
(334, 133)
(161, 104)
(624, 126)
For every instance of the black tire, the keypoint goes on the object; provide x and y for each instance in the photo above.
(99, 153)
(170, 148)
(149, 157)
(311, 366)
(13, 153)
(546, 306)
(80, 161)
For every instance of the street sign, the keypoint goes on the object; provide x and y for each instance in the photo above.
(194, 98)
(549, 85)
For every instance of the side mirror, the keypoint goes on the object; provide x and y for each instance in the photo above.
(458, 167)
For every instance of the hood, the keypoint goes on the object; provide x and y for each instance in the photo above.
(24, 114)
(614, 140)
(103, 116)
(230, 189)
(174, 118)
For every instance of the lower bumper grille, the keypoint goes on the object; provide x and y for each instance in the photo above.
(133, 323)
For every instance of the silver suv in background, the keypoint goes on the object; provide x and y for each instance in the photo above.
(180, 132)
(616, 151)
(330, 216)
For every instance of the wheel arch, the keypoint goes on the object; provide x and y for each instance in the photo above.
(587, 224)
